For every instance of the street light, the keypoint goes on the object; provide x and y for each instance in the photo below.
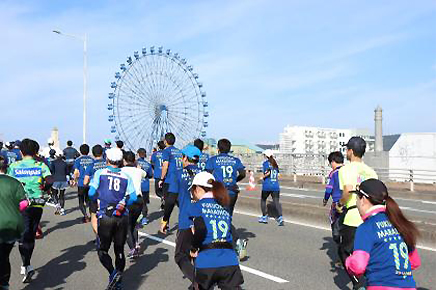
(83, 38)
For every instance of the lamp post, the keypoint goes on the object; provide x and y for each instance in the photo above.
(84, 39)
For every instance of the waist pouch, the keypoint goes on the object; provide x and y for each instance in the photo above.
(109, 211)
(217, 245)
(36, 201)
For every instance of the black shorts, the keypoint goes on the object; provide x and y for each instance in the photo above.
(275, 194)
(229, 277)
(158, 190)
(93, 206)
(82, 190)
(146, 196)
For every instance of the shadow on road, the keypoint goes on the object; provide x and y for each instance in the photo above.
(136, 273)
(155, 216)
(341, 278)
(53, 274)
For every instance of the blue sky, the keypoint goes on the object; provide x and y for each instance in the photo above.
(264, 64)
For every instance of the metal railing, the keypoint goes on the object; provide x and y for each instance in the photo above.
(317, 165)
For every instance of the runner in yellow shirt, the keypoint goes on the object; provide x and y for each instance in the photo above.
(350, 175)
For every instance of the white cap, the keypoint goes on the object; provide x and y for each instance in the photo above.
(114, 154)
(268, 152)
(203, 179)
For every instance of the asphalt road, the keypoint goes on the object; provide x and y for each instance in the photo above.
(296, 256)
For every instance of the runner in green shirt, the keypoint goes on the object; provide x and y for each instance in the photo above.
(35, 177)
(12, 195)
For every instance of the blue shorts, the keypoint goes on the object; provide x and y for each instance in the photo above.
(60, 185)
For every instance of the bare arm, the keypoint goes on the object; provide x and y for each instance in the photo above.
(346, 194)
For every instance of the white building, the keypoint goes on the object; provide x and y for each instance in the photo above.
(315, 140)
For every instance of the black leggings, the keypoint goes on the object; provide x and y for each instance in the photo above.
(226, 278)
(345, 249)
(233, 199)
(31, 217)
(5, 265)
(59, 196)
(112, 229)
(182, 255)
(276, 200)
(83, 199)
(134, 212)
(170, 202)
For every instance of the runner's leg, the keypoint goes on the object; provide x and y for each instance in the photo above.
(276, 201)
(106, 229)
(119, 238)
(134, 213)
(5, 265)
(31, 216)
(182, 254)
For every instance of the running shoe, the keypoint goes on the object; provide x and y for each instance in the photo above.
(23, 270)
(28, 273)
(144, 221)
(280, 221)
(62, 211)
(164, 227)
(86, 219)
(241, 248)
(132, 253)
(119, 285)
(263, 219)
(114, 278)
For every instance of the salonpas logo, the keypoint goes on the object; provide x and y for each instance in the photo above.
(27, 172)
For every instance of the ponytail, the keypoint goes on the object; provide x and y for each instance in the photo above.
(406, 228)
(273, 162)
(219, 192)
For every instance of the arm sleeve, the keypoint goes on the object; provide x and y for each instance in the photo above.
(130, 192)
(329, 187)
(415, 260)
(200, 232)
(356, 263)
(94, 184)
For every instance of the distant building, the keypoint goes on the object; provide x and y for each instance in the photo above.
(315, 140)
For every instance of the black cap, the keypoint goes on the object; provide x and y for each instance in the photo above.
(373, 189)
(356, 143)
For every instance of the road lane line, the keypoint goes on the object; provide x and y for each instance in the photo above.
(243, 268)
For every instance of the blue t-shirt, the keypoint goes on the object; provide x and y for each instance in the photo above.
(156, 161)
(203, 160)
(84, 164)
(184, 181)
(174, 157)
(145, 183)
(389, 264)
(13, 156)
(111, 186)
(97, 165)
(224, 168)
(271, 183)
(218, 223)
(332, 188)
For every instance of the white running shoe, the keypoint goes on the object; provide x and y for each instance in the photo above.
(29, 272)
(23, 270)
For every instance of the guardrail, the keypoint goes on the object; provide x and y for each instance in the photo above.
(316, 165)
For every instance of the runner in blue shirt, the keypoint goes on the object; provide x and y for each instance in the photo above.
(270, 186)
(156, 163)
(191, 155)
(98, 163)
(216, 261)
(107, 146)
(385, 243)
(204, 156)
(229, 170)
(172, 164)
(336, 160)
(82, 174)
(115, 191)
(12, 154)
(145, 184)
(70, 154)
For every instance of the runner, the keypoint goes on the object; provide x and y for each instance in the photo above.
(351, 175)
(120, 145)
(13, 199)
(36, 178)
(229, 170)
(336, 161)
(204, 156)
(216, 261)
(59, 169)
(172, 164)
(137, 175)
(107, 145)
(145, 184)
(385, 244)
(17, 151)
(11, 153)
(182, 257)
(99, 163)
(156, 163)
(270, 186)
(114, 191)
(70, 154)
(82, 174)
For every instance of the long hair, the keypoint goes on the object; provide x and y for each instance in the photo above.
(406, 228)
(219, 192)
(273, 162)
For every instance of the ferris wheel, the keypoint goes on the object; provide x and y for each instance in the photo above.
(154, 93)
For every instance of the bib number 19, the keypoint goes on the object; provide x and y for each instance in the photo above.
(222, 226)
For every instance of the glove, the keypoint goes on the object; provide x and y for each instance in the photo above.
(119, 209)
(339, 208)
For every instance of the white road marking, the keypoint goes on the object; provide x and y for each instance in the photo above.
(243, 268)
